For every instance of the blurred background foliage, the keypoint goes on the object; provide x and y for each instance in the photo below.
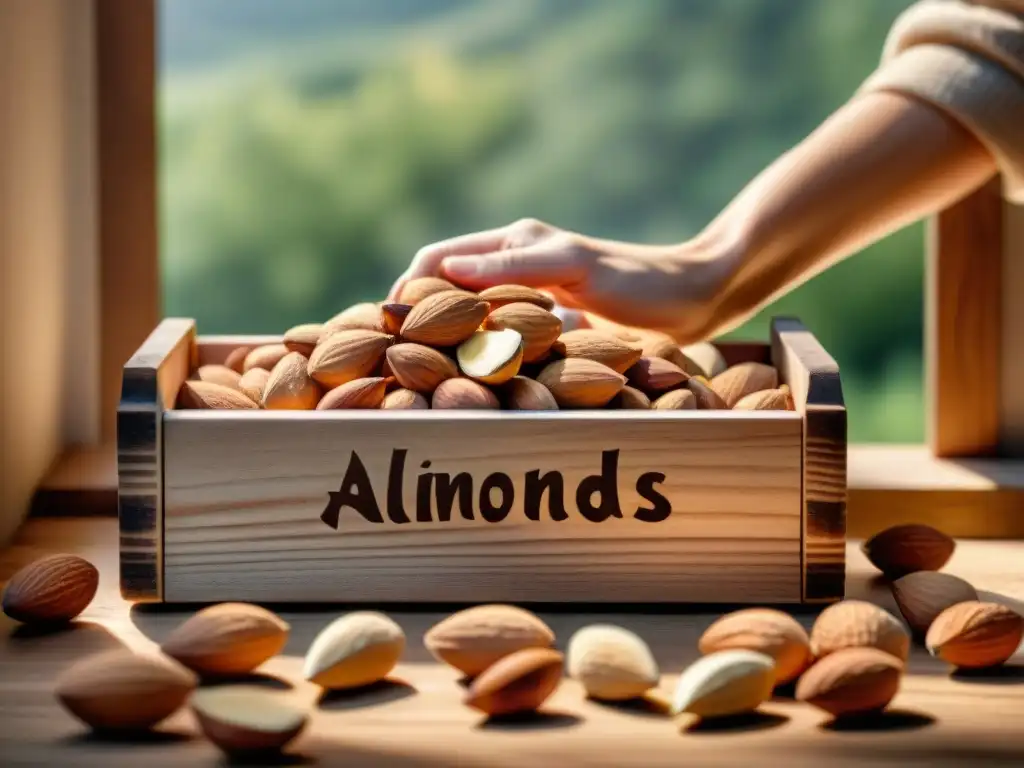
(308, 149)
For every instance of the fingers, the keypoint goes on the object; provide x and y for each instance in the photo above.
(428, 260)
(538, 266)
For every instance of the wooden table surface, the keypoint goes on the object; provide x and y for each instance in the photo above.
(937, 719)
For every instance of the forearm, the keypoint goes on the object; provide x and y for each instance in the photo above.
(881, 162)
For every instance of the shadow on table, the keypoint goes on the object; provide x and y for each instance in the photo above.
(1008, 675)
(60, 644)
(744, 723)
(125, 738)
(543, 720)
(382, 692)
(889, 720)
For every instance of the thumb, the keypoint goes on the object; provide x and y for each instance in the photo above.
(536, 266)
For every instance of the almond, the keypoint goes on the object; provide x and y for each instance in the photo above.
(611, 663)
(578, 382)
(707, 398)
(520, 682)
(348, 355)
(444, 319)
(735, 383)
(502, 295)
(975, 634)
(904, 549)
(420, 368)
(523, 394)
(664, 346)
(365, 316)
(218, 374)
(857, 624)
(227, 639)
(707, 356)
(417, 289)
(765, 630)
(52, 589)
(207, 395)
(676, 400)
(852, 681)
(630, 399)
(404, 400)
(290, 387)
(491, 357)
(119, 690)
(766, 400)
(253, 382)
(655, 374)
(473, 639)
(236, 359)
(923, 595)
(725, 683)
(392, 317)
(264, 356)
(304, 338)
(538, 327)
(363, 394)
(463, 394)
(599, 346)
(354, 650)
(247, 719)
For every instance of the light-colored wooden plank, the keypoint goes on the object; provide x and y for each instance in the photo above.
(245, 493)
(963, 325)
(1011, 353)
(939, 720)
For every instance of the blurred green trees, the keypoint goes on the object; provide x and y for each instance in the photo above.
(302, 170)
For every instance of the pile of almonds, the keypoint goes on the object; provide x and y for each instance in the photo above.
(443, 347)
(851, 663)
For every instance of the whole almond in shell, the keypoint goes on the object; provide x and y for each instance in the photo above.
(404, 400)
(119, 690)
(904, 549)
(417, 289)
(392, 317)
(858, 624)
(735, 383)
(348, 355)
(205, 395)
(923, 595)
(290, 387)
(853, 681)
(419, 367)
(766, 400)
(227, 639)
(664, 346)
(303, 338)
(599, 346)
(519, 682)
(364, 316)
(253, 382)
(765, 630)
(501, 295)
(53, 589)
(631, 399)
(655, 375)
(611, 662)
(724, 683)
(264, 356)
(707, 398)
(676, 400)
(473, 639)
(361, 394)
(235, 359)
(538, 327)
(218, 374)
(445, 319)
(975, 634)
(707, 356)
(354, 650)
(524, 394)
(463, 394)
(247, 719)
(578, 382)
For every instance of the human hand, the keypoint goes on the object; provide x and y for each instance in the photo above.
(665, 288)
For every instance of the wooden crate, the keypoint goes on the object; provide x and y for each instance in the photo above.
(694, 506)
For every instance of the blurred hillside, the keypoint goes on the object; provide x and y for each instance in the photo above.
(308, 149)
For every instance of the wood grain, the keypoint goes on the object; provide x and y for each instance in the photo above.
(150, 384)
(1011, 353)
(418, 719)
(963, 325)
(813, 377)
(244, 494)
